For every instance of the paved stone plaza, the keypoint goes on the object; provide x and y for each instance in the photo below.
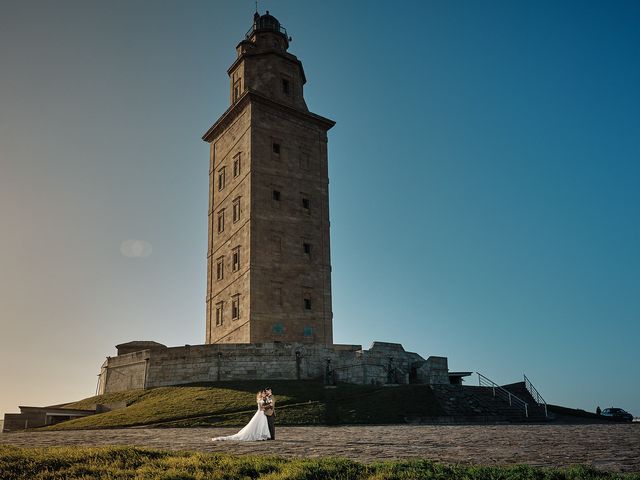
(607, 447)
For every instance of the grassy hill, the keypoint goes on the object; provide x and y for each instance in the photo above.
(233, 404)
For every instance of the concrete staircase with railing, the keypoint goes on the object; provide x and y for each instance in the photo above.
(537, 411)
(488, 403)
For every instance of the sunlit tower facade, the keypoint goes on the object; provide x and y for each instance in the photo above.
(269, 267)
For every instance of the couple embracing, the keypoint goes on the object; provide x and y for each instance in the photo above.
(262, 424)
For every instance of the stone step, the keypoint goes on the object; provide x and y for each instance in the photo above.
(463, 400)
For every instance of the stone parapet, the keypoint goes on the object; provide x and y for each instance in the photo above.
(126, 372)
(383, 363)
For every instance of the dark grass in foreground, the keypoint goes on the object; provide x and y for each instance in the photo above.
(140, 464)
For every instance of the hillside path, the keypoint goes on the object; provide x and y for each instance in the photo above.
(607, 447)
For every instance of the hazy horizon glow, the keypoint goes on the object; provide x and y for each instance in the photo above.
(484, 174)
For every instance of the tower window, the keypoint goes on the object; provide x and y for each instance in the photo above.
(221, 179)
(221, 221)
(276, 195)
(237, 89)
(307, 248)
(235, 307)
(236, 210)
(306, 204)
(220, 268)
(286, 87)
(308, 331)
(219, 308)
(236, 259)
(276, 148)
(236, 165)
(307, 295)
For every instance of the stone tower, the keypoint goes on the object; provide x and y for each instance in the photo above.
(268, 268)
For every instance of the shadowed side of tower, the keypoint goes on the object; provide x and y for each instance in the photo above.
(269, 268)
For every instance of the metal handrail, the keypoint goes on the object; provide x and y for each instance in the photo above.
(535, 394)
(253, 28)
(498, 390)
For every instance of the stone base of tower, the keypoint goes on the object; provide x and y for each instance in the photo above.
(150, 364)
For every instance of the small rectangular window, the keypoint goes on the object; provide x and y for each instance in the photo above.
(276, 195)
(236, 165)
(307, 296)
(307, 248)
(219, 312)
(236, 210)
(221, 221)
(306, 204)
(276, 148)
(220, 268)
(237, 89)
(235, 307)
(286, 87)
(236, 259)
(221, 179)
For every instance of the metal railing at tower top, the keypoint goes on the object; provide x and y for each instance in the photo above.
(276, 28)
(498, 391)
(535, 394)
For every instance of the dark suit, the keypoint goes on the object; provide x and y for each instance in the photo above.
(270, 412)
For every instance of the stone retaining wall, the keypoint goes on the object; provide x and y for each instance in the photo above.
(163, 366)
(124, 372)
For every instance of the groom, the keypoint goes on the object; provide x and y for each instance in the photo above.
(268, 406)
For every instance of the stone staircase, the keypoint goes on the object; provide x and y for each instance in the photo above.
(536, 412)
(470, 404)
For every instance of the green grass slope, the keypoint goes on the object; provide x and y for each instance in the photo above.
(233, 404)
(110, 463)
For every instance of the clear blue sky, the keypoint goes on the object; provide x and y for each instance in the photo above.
(485, 172)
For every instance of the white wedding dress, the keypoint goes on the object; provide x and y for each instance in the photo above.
(256, 429)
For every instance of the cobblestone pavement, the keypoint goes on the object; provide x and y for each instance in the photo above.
(607, 447)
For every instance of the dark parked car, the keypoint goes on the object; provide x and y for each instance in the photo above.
(617, 414)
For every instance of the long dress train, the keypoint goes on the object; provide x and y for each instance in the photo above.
(256, 429)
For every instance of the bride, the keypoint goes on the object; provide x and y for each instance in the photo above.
(256, 429)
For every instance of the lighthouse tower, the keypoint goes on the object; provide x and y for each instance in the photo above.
(268, 267)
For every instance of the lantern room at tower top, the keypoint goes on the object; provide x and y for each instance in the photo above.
(263, 60)
(267, 23)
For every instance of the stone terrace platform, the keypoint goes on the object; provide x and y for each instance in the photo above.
(607, 447)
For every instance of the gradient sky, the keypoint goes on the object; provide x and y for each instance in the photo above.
(485, 172)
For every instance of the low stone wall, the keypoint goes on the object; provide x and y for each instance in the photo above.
(124, 372)
(33, 417)
(14, 421)
(383, 363)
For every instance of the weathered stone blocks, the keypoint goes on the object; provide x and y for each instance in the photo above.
(383, 363)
